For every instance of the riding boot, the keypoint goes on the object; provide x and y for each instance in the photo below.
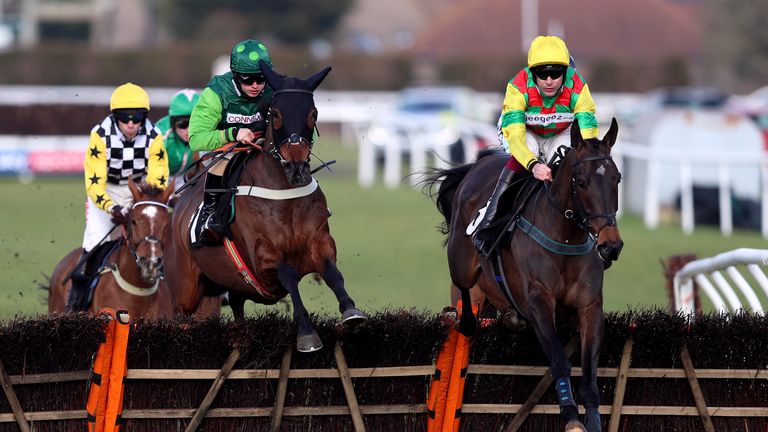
(213, 229)
(482, 237)
(78, 291)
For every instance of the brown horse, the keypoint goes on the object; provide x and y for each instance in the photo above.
(131, 277)
(280, 228)
(551, 266)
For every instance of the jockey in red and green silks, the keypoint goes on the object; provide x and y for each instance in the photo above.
(540, 104)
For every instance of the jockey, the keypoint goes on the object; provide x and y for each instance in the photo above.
(232, 107)
(175, 130)
(540, 104)
(124, 145)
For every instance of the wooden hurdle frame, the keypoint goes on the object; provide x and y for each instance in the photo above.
(356, 411)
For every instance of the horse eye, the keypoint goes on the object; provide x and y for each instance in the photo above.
(581, 184)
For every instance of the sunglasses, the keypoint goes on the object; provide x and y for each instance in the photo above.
(551, 73)
(250, 79)
(181, 124)
(130, 116)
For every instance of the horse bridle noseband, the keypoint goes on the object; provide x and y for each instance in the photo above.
(148, 239)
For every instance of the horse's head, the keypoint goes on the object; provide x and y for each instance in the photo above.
(292, 119)
(595, 189)
(147, 229)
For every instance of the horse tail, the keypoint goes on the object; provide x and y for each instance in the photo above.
(448, 180)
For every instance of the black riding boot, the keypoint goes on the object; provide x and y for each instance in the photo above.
(482, 237)
(78, 291)
(213, 229)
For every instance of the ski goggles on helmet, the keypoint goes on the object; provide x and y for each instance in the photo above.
(249, 79)
(126, 116)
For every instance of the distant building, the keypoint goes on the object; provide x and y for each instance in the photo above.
(108, 24)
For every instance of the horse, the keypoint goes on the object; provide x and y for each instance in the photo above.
(550, 267)
(280, 225)
(131, 275)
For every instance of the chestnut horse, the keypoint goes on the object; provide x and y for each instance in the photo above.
(551, 266)
(132, 275)
(280, 229)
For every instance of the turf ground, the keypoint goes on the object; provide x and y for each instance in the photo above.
(390, 251)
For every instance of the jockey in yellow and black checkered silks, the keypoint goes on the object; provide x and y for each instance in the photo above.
(125, 144)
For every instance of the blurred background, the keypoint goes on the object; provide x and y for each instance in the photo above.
(415, 83)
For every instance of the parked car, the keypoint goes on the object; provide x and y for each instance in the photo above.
(448, 120)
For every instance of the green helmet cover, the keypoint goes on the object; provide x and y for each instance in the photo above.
(183, 102)
(246, 55)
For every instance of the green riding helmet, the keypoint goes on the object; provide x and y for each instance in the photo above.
(183, 102)
(246, 55)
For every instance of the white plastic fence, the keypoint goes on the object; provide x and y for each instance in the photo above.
(708, 275)
(727, 164)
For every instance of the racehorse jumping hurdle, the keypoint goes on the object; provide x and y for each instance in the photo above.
(382, 371)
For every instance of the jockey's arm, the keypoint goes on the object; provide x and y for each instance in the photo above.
(95, 167)
(584, 112)
(513, 126)
(203, 132)
(157, 162)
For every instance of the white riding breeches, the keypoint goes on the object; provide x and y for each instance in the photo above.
(98, 222)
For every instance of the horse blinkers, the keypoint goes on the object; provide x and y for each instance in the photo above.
(293, 149)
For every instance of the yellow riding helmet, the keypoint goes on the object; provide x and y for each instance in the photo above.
(127, 96)
(548, 50)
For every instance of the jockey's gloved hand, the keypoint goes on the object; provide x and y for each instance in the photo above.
(119, 215)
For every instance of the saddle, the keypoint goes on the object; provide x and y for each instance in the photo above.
(91, 272)
(226, 208)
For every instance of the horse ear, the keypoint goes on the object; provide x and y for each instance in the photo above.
(576, 139)
(273, 78)
(315, 80)
(613, 132)
(166, 195)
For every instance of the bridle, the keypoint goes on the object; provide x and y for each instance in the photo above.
(580, 216)
(293, 138)
(151, 239)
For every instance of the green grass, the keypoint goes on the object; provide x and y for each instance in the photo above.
(389, 249)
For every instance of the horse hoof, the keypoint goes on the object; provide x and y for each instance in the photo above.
(353, 317)
(575, 426)
(592, 420)
(512, 322)
(309, 343)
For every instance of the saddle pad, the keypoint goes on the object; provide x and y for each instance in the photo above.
(194, 229)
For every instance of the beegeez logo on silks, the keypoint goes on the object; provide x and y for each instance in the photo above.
(538, 119)
(233, 118)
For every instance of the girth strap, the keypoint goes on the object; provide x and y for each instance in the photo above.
(553, 246)
(243, 269)
(278, 194)
(501, 280)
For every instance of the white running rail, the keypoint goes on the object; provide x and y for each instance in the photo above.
(707, 273)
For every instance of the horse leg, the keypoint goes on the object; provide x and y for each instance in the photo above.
(591, 328)
(542, 315)
(237, 304)
(350, 315)
(307, 339)
(468, 324)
